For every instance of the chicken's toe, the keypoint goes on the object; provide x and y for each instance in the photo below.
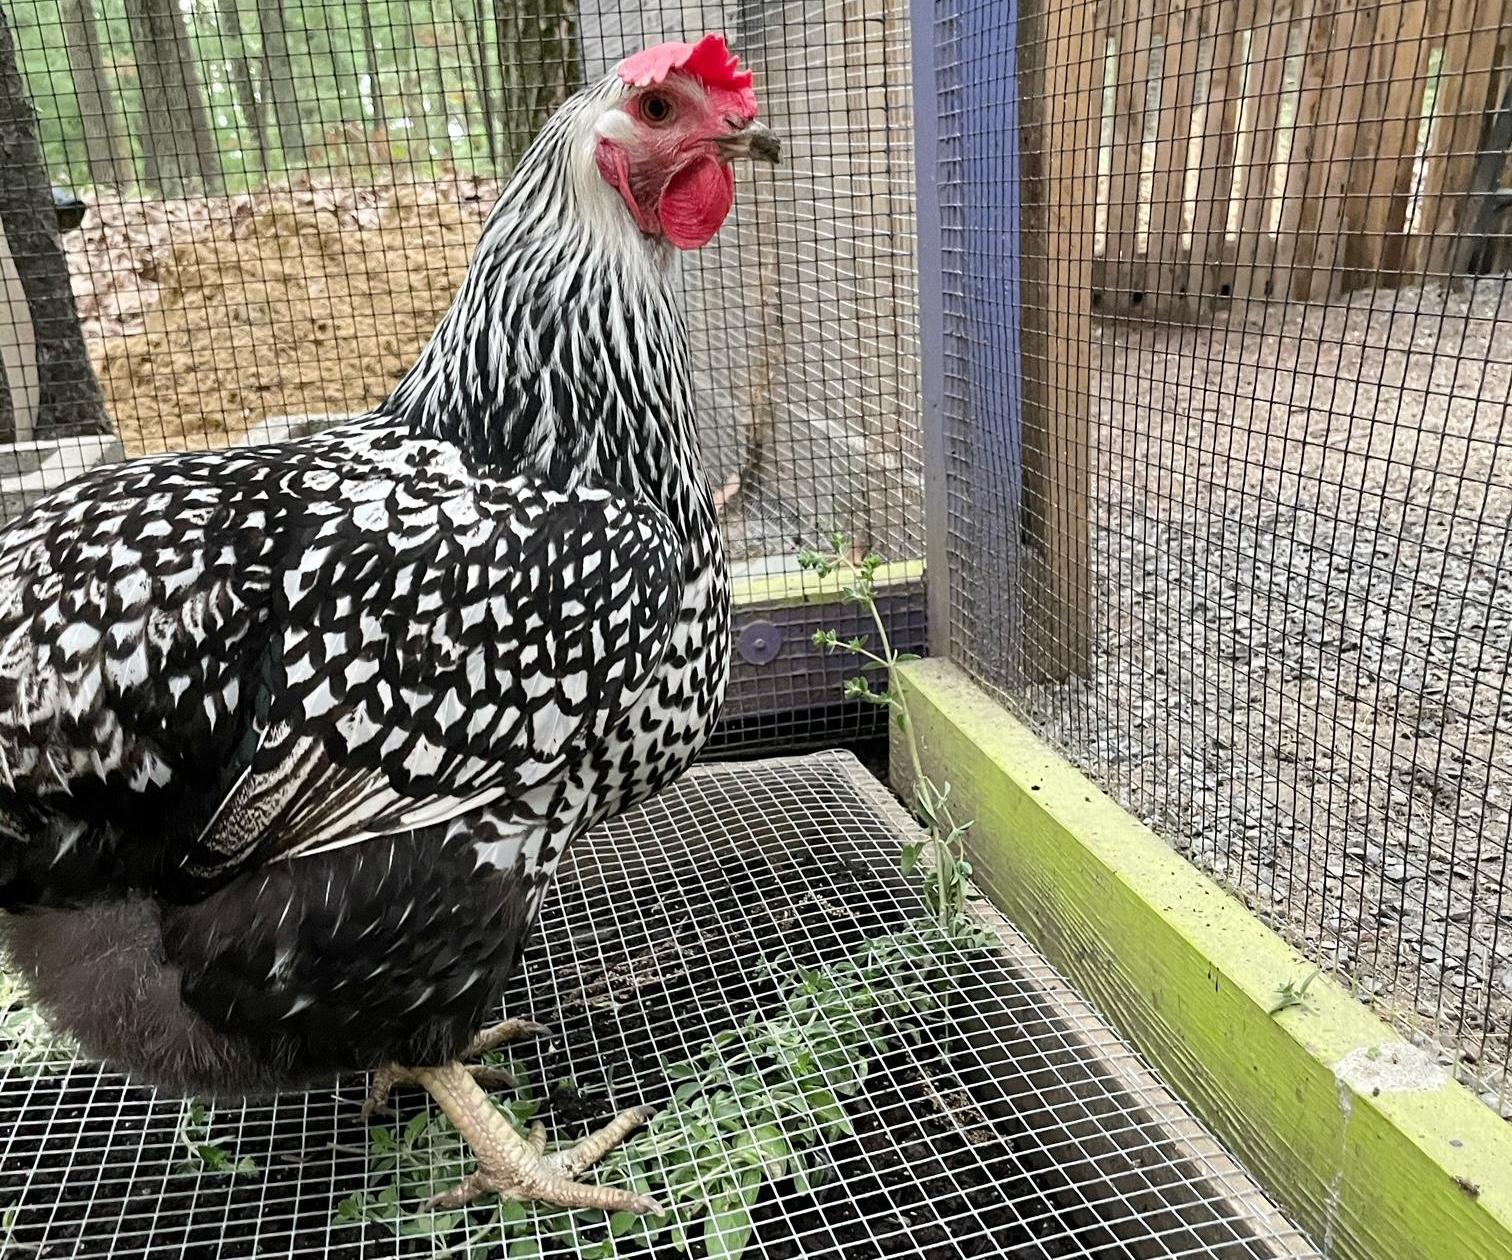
(515, 1167)
(505, 1031)
(387, 1079)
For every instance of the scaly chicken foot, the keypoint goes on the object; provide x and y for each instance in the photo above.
(518, 1168)
(387, 1079)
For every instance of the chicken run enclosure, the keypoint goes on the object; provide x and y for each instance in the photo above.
(1161, 350)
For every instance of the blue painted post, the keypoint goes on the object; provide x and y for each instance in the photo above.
(930, 261)
(967, 126)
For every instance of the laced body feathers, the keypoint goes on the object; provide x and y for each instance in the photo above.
(321, 711)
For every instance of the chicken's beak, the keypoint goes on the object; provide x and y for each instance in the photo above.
(754, 140)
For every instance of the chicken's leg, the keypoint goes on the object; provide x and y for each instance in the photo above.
(387, 1079)
(518, 1168)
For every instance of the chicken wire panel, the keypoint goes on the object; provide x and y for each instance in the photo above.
(804, 316)
(262, 209)
(1018, 1125)
(1226, 334)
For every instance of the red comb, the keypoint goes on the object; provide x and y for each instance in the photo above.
(710, 61)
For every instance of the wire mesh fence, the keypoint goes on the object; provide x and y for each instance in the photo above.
(1218, 326)
(1228, 492)
(1018, 1124)
(280, 199)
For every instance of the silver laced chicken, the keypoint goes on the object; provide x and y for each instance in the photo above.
(293, 737)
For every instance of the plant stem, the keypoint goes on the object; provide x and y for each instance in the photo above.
(944, 909)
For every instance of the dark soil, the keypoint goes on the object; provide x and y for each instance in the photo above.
(659, 938)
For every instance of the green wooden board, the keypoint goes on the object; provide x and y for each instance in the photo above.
(1363, 1138)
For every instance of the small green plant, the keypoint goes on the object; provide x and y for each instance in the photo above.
(1292, 993)
(10, 1220)
(752, 1107)
(202, 1155)
(947, 882)
(757, 1103)
(27, 1044)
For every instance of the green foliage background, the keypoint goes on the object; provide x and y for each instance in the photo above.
(433, 60)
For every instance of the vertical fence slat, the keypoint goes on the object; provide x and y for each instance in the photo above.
(1389, 138)
(1298, 225)
(1130, 22)
(1333, 150)
(1267, 76)
(1465, 83)
(1215, 167)
(1178, 85)
(1320, 209)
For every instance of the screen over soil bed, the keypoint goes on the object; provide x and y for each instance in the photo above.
(1005, 1121)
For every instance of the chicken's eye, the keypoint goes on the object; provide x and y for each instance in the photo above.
(656, 109)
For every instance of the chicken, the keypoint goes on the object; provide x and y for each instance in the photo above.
(293, 737)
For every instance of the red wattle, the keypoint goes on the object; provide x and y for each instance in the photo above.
(696, 202)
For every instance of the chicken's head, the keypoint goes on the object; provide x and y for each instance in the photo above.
(686, 113)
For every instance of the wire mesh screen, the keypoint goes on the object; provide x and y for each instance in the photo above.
(240, 221)
(1227, 348)
(1018, 1125)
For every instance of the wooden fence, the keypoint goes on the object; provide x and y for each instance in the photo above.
(1297, 148)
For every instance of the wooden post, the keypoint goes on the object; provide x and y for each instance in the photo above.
(1178, 86)
(1062, 71)
(1269, 43)
(931, 263)
(19, 378)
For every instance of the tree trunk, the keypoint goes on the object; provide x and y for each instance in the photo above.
(412, 91)
(104, 141)
(7, 409)
(278, 80)
(539, 66)
(177, 140)
(479, 35)
(375, 84)
(344, 69)
(69, 400)
(241, 79)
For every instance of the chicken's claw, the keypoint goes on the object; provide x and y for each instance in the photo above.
(515, 1167)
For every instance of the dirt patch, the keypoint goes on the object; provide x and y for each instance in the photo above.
(205, 317)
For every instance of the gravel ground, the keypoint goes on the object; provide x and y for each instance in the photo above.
(1302, 549)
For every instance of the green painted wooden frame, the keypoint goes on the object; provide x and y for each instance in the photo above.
(788, 589)
(1363, 1138)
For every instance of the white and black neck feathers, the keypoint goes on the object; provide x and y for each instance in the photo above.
(565, 353)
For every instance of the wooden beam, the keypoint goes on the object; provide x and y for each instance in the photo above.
(1360, 1135)
(1061, 70)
